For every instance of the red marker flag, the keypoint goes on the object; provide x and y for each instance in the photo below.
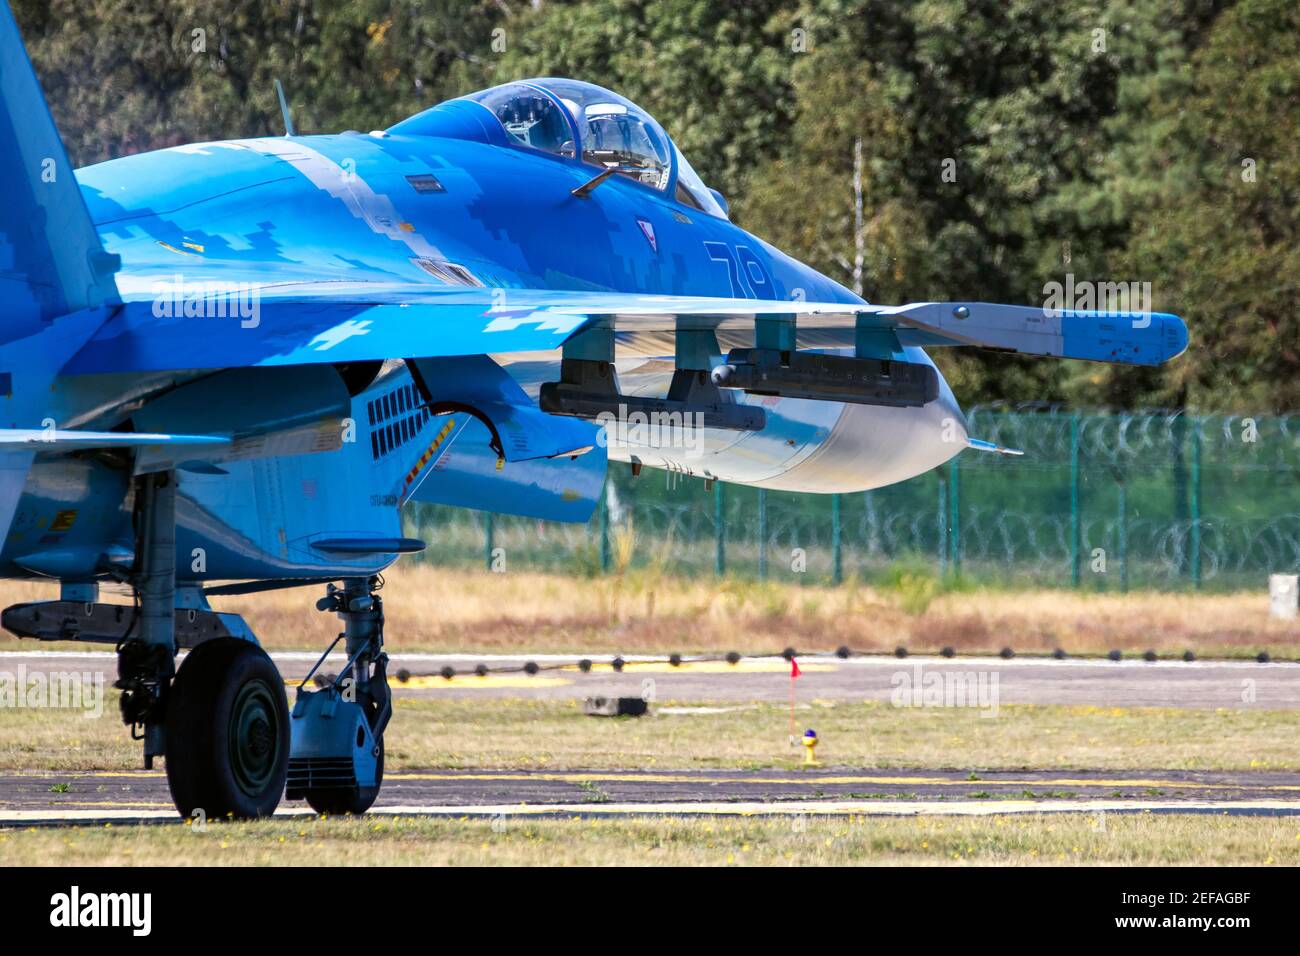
(794, 673)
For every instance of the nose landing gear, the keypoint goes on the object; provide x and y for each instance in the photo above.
(337, 762)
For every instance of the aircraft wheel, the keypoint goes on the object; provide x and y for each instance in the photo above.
(227, 732)
(354, 800)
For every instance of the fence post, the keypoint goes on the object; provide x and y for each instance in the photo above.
(488, 534)
(873, 527)
(1178, 450)
(604, 530)
(1196, 504)
(954, 518)
(837, 561)
(1075, 529)
(1123, 534)
(762, 534)
(720, 537)
(943, 524)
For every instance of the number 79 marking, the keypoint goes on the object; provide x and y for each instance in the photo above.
(748, 278)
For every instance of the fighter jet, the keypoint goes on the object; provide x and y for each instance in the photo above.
(227, 367)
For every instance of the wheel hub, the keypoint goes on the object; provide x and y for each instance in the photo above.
(259, 738)
(254, 740)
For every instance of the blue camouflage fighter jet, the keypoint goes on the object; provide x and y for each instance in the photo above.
(227, 367)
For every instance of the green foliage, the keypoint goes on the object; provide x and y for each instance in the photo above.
(123, 76)
(915, 592)
(913, 584)
(1214, 191)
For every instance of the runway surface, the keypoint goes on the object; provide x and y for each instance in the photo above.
(32, 799)
(1126, 683)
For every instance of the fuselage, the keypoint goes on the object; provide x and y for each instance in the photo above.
(414, 205)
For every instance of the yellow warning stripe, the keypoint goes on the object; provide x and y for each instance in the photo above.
(428, 454)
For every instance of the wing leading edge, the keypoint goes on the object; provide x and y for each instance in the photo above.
(326, 323)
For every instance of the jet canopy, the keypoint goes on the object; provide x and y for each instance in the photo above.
(583, 121)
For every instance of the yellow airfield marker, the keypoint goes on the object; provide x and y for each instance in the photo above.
(810, 748)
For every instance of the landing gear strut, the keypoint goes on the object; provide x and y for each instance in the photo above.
(337, 761)
(223, 723)
(146, 658)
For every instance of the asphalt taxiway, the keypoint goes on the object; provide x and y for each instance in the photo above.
(123, 797)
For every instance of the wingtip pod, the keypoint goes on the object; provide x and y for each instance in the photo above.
(1175, 335)
(1118, 338)
(1123, 338)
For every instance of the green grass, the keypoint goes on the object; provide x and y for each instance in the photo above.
(1064, 839)
(515, 733)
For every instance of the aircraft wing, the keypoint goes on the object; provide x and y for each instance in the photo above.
(36, 439)
(313, 323)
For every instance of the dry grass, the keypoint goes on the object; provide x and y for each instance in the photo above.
(437, 609)
(1066, 839)
(533, 734)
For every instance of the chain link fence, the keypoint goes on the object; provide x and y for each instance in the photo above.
(1103, 501)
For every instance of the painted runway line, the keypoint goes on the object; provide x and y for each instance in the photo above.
(817, 808)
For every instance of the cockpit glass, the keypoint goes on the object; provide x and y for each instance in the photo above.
(530, 117)
(615, 133)
(692, 191)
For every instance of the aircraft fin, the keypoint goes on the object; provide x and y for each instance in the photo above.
(51, 260)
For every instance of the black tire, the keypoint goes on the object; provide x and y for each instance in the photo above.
(227, 732)
(354, 800)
